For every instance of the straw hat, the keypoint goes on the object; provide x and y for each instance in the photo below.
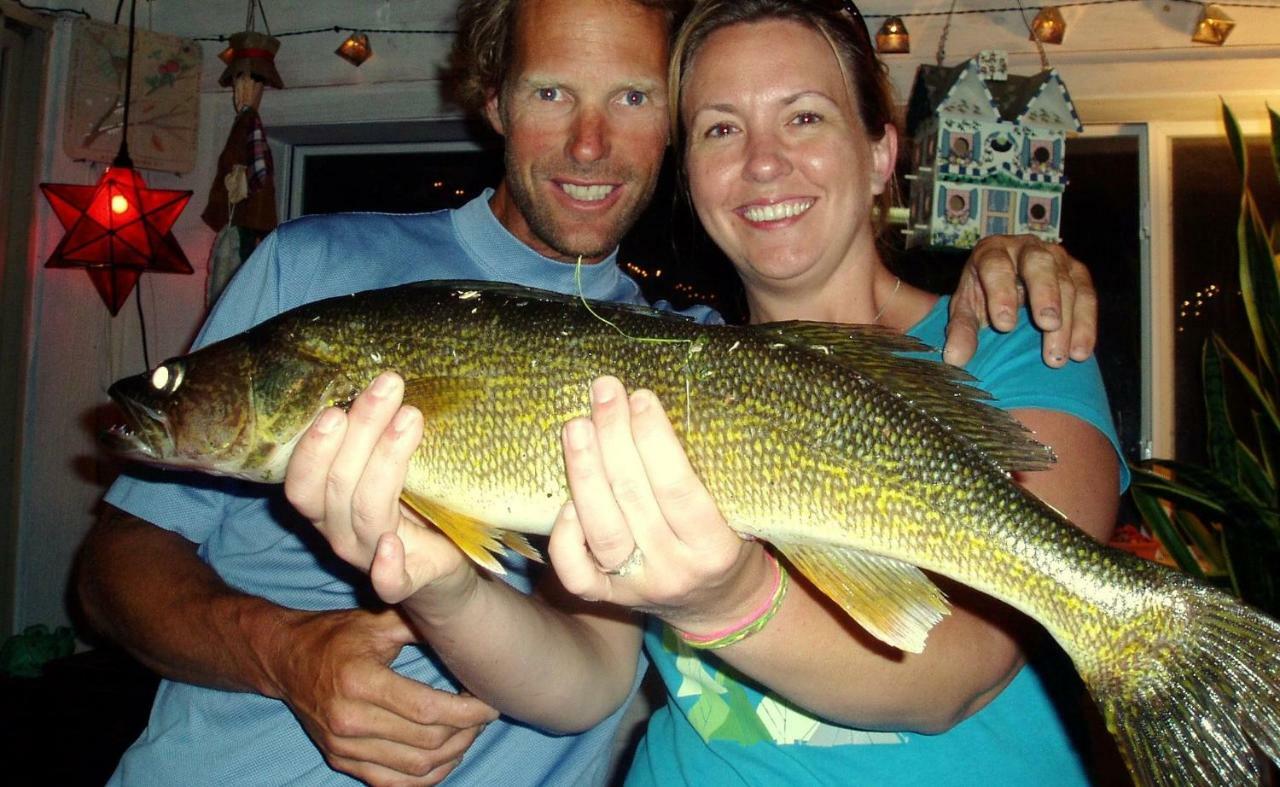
(254, 54)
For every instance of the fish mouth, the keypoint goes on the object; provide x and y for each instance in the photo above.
(142, 435)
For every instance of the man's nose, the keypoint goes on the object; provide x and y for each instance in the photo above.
(589, 136)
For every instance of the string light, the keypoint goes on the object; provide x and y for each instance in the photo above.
(1213, 26)
(355, 49)
(893, 38)
(1049, 26)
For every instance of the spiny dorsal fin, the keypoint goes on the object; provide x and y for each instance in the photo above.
(939, 389)
(514, 293)
(478, 540)
(892, 600)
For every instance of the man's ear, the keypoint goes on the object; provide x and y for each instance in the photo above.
(884, 156)
(493, 112)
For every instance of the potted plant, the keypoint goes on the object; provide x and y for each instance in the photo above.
(1221, 520)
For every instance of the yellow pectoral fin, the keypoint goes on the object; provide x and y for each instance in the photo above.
(478, 540)
(521, 546)
(893, 600)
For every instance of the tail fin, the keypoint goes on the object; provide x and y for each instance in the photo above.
(1208, 704)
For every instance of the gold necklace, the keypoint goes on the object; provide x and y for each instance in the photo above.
(897, 285)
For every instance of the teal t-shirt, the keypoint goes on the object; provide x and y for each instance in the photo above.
(717, 730)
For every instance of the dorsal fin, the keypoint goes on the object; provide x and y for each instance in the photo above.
(941, 390)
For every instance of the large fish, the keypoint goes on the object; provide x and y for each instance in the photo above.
(861, 466)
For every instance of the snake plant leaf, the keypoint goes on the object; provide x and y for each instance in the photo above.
(1174, 491)
(1275, 142)
(1263, 399)
(1165, 531)
(1220, 439)
(1259, 282)
(1236, 138)
(1206, 539)
(1269, 447)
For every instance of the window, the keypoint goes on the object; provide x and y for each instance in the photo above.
(403, 178)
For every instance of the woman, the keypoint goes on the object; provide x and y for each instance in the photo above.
(789, 145)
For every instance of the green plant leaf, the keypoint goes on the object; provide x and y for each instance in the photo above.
(1263, 399)
(1275, 144)
(1205, 538)
(1236, 138)
(1269, 447)
(1165, 531)
(1259, 281)
(1173, 491)
(1220, 440)
(1253, 480)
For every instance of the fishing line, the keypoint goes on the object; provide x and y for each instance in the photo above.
(695, 347)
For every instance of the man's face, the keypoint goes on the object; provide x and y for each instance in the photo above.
(584, 116)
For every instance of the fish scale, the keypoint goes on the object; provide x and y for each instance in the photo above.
(859, 465)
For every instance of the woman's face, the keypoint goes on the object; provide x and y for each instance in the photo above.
(781, 171)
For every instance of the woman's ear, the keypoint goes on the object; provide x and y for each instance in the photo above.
(884, 156)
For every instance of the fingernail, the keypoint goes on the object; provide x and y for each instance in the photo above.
(1005, 315)
(602, 391)
(1079, 353)
(383, 385)
(577, 433)
(641, 401)
(403, 419)
(1049, 313)
(328, 420)
(570, 513)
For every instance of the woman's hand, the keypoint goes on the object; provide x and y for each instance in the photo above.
(642, 531)
(346, 476)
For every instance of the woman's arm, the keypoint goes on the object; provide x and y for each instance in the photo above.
(630, 478)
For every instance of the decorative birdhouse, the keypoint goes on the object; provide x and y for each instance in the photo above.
(988, 153)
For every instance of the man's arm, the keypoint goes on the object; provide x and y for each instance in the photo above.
(1004, 270)
(147, 589)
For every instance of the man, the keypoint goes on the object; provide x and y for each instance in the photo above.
(232, 597)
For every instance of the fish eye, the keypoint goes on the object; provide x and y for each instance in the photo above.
(167, 377)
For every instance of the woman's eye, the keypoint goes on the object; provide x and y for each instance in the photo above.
(635, 98)
(719, 130)
(807, 118)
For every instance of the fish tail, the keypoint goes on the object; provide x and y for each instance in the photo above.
(1200, 704)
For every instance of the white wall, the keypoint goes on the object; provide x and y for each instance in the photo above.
(1123, 62)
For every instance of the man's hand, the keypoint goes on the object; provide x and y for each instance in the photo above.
(367, 720)
(1002, 270)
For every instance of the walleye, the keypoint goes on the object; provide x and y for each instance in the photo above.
(858, 464)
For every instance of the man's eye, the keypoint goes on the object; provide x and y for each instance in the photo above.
(549, 93)
(807, 118)
(635, 98)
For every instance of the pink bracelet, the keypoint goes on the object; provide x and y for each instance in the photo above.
(752, 623)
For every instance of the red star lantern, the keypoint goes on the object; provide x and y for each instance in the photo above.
(116, 230)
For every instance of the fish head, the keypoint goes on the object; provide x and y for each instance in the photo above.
(235, 408)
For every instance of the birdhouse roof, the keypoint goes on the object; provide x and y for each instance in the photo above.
(1011, 99)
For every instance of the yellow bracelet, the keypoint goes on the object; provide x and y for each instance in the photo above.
(754, 622)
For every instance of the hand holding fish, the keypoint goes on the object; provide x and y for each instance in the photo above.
(642, 531)
(1064, 304)
(346, 476)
